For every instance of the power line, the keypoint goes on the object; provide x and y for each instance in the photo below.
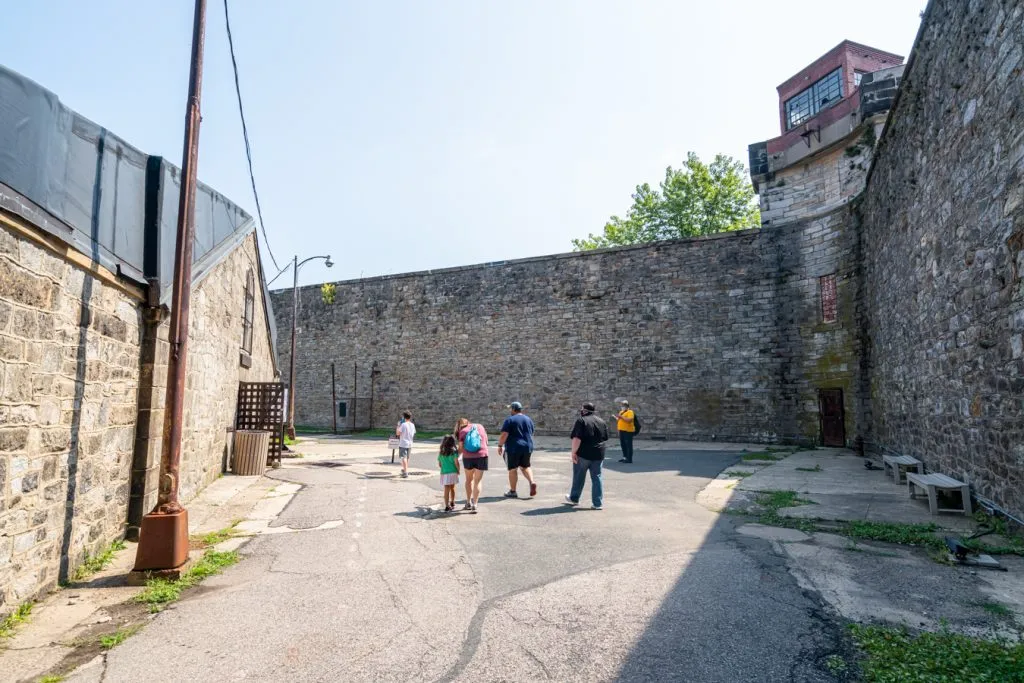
(245, 134)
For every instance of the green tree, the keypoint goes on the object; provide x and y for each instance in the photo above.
(697, 199)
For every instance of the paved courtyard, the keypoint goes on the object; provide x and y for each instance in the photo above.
(653, 587)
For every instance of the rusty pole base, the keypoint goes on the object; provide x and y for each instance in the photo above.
(163, 541)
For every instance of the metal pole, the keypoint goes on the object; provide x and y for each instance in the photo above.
(291, 371)
(373, 378)
(334, 402)
(355, 396)
(163, 541)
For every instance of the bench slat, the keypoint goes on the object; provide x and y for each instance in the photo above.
(938, 480)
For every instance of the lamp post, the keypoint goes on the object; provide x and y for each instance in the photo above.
(163, 538)
(296, 264)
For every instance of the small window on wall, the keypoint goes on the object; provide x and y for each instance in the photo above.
(250, 302)
(827, 289)
(857, 76)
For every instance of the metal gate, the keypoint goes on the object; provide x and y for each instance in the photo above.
(261, 408)
(832, 417)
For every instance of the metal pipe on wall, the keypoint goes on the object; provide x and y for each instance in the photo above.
(334, 403)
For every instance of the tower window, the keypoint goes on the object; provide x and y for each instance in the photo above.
(821, 95)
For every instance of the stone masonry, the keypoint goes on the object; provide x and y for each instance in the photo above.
(81, 400)
(69, 372)
(711, 338)
(943, 231)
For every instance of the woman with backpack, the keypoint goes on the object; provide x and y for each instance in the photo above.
(472, 440)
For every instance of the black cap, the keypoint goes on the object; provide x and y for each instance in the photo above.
(589, 406)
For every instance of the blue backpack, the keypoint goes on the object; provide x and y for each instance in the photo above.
(472, 442)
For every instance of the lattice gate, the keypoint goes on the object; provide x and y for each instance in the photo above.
(261, 408)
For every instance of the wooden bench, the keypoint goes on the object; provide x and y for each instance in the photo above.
(932, 483)
(899, 464)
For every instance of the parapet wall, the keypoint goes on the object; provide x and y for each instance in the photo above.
(711, 338)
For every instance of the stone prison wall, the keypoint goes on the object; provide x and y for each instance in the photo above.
(710, 338)
(943, 232)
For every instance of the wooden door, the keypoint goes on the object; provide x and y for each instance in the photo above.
(830, 411)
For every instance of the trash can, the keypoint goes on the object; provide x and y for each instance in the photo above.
(250, 452)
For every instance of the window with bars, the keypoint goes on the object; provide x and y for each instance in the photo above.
(250, 302)
(827, 289)
(821, 95)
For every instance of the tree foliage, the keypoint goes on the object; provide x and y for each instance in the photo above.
(697, 199)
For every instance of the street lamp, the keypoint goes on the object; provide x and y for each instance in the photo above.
(296, 264)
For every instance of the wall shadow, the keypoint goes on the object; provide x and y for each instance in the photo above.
(735, 613)
(81, 363)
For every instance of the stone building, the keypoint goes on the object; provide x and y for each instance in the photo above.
(881, 306)
(87, 232)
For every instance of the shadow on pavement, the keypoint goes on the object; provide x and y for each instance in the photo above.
(539, 512)
(687, 463)
(736, 613)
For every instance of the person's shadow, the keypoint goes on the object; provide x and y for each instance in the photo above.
(557, 510)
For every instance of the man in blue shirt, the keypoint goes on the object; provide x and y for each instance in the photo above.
(516, 444)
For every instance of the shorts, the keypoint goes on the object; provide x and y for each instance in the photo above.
(403, 453)
(450, 479)
(516, 460)
(475, 463)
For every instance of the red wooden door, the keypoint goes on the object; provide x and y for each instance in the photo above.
(830, 411)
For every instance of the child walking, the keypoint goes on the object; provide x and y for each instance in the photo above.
(448, 460)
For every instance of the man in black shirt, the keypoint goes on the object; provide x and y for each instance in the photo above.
(589, 437)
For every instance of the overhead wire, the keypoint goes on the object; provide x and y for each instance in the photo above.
(245, 135)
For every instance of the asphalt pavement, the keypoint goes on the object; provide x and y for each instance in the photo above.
(652, 588)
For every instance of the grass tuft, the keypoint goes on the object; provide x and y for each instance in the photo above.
(51, 679)
(836, 665)
(895, 655)
(160, 592)
(996, 608)
(776, 500)
(763, 456)
(97, 562)
(738, 474)
(119, 636)
(15, 619)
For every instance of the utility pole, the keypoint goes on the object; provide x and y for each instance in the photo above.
(291, 370)
(163, 539)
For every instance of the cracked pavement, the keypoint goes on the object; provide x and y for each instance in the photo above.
(653, 588)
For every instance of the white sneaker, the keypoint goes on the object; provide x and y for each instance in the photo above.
(570, 501)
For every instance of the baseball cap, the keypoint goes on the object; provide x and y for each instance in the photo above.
(515, 405)
(589, 406)
(624, 402)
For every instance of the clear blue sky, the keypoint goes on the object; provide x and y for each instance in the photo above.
(406, 135)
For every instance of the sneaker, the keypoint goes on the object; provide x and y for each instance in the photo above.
(473, 509)
(596, 507)
(405, 475)
(449, 508)
(468, 507)
(570, 501)
(624, 460)
(533, 490)
(511, 494)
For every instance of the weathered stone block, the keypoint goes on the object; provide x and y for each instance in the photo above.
(13, 438)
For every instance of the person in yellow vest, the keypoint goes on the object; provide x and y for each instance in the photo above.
(627, 429)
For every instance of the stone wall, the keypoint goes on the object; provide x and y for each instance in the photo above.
(943, 231)
(213, 373)
(711, 338)
(69, 369)
(820, 182)
(83, 368)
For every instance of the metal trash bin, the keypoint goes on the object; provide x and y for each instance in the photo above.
(250, 452)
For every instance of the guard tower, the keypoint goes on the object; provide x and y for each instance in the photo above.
(830, 116)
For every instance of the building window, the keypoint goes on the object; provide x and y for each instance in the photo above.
(857, 76)
(250, 302)
(827, 289)
(821, 95)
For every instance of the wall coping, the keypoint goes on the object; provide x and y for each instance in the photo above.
(562, 256)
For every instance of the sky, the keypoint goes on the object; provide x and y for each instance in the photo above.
(400, 135)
